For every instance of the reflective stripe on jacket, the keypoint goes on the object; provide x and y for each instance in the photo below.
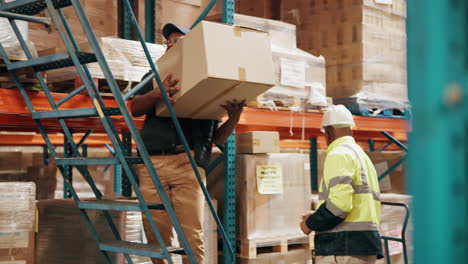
(349, 206)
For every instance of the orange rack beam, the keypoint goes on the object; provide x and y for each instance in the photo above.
(295, 128)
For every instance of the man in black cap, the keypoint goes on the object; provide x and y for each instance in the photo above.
(170, 161)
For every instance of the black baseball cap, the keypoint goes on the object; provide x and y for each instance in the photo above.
(170, 28)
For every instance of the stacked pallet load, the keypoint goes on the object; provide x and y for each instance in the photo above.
(273, 192)
(126, 59)
(364, 44)
(299, 76)
(17, 222)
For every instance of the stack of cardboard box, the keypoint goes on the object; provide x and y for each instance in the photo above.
(126, 59)
(363, 42)
(299, 76)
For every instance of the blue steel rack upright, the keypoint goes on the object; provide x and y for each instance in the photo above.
(25, 10)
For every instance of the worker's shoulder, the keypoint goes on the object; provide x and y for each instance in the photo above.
(349, 152)
(340, 154)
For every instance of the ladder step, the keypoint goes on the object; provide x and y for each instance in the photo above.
(95, 161)
(31, 7)
(56, 61)
(116, 205)
(75, 113)
(152, 251)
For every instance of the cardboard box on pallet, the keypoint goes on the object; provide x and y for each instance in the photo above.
(363, 42)
(258, 142)
(17, 222)
(216, 63)
(273, 192)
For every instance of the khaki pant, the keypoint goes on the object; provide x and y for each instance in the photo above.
(181, 185)
(345, 259)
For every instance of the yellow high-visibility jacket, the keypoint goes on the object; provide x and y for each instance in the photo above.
(348, 217)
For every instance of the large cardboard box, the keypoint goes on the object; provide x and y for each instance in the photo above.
(17, 222)
(258, 142)
(216, 63)
(273, 192)
(363, 42)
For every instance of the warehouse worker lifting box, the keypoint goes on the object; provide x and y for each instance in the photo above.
(215, 63)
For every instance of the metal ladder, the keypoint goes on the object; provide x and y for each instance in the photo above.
(25, 10)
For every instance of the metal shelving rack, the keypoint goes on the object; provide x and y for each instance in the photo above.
(15, 117)
(121, 148)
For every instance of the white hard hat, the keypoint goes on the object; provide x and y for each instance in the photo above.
(337, 116)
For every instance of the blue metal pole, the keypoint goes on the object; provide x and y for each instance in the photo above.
(33, 19)
(393, 167)
(394, 140)
(127, 142)
(371, 145)
(150, 17)
(67, 153)
(229, 208)
(385, 147)
(229, 199)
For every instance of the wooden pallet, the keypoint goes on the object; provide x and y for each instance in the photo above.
(254, 247)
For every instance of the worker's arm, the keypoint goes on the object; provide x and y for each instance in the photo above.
(148, 97)
(338, 177)
(234, 110)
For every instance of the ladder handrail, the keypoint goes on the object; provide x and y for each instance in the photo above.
(401, 239)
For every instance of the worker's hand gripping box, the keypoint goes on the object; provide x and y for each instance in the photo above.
(215, 63)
